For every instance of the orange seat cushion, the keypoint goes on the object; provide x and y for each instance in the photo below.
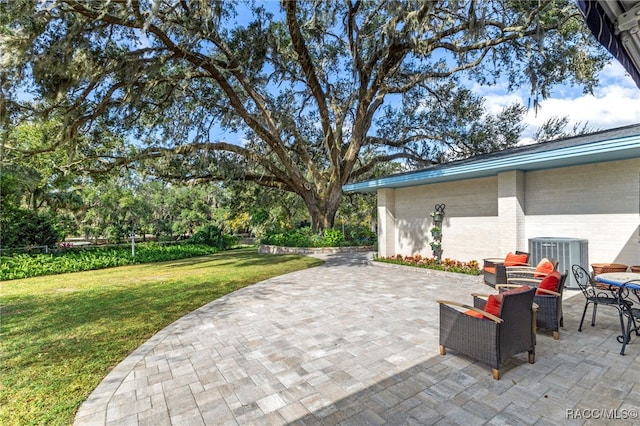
(490, 269)
(474, 314)
(516, 259)
(550, 282)
(544, 268)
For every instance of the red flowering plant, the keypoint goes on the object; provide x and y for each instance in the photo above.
(417, 260)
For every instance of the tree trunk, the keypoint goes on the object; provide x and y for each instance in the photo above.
(323, 211)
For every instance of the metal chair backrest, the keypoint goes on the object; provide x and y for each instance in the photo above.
(583, 279)
(624, 301)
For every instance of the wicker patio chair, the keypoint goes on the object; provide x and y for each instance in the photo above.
(529, 275)
(594, 295)
(494, 269)
(603, 268)
(550, 315)
(628, 311)
(491, 339)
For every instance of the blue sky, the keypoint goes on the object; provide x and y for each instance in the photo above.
(614, 103)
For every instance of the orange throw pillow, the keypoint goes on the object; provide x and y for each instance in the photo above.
(550, 282)
(516, 259)
(544, 268)
(494, 302)
(493, 305)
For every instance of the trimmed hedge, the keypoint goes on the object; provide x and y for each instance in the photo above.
(28, 265)
(305, 237)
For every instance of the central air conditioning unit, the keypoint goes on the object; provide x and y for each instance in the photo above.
(567, 251)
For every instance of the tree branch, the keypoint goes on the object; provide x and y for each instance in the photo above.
(313, 83)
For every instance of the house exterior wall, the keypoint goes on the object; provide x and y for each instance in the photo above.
(471, 217)
(598, 202)
(488, 217)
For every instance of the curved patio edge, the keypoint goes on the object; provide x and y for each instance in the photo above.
(264, 248)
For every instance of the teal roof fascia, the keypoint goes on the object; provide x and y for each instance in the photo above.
(595, 152)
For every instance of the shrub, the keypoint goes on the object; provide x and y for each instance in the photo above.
(304, 237)
(73, 260)
(212, 235)
(21, 227)
(333, 237)
(360, 235)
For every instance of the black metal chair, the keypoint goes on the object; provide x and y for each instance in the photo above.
(491, 339)
(628, 311)
(594, 295)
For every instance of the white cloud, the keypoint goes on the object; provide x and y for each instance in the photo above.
(613, 107)
(615, 103)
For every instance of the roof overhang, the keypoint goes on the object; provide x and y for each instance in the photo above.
(596, 152)
(616, 25)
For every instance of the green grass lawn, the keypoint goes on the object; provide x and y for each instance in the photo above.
(60, 335)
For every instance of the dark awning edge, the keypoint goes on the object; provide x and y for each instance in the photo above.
(618, 43)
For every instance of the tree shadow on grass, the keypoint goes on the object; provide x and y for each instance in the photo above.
(237, 259)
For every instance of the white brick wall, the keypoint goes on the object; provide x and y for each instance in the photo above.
(471, 217)
(599, 202)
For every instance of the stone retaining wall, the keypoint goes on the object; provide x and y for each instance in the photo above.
(311, 250)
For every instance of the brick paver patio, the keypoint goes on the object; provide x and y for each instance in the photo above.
(353, 342)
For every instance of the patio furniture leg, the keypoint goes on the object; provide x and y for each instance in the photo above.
(593, 316)
(556, 335)
(443, 350)
(532, 357)
(496, 373)
(584, 312)
(621, 322)
(626, 337)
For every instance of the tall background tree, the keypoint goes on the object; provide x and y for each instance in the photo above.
(318, 93)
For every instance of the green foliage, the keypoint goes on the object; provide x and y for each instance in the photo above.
(321, 93)
(259, 216)
(302, 237)
(333, 237)
(361, 235)
(556, 127)
(305, 237)
(22, 228)
(27, 265)
(213, 236)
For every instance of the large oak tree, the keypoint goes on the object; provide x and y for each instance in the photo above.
(320, 91)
